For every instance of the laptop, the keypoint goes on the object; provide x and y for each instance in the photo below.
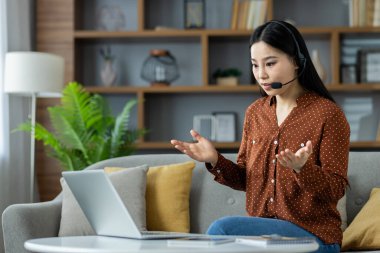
(104, 208)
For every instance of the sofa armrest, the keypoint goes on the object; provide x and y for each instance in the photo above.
(22, 222)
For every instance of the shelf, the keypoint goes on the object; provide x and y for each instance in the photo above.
(89, 34)
(135, 34)
(174, 89)
(354, 87)
(218, 89)
(365, 144)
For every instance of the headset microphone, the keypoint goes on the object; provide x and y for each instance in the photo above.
(278, 85)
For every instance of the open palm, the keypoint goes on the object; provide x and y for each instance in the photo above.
(202, 150)
(296, 160)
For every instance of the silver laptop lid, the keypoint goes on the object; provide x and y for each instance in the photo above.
(101, 203)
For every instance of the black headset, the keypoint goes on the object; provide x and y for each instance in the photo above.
(301, 57)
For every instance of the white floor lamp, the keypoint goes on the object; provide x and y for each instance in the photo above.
(33, 74)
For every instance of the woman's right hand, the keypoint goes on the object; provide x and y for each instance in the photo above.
(202, 150)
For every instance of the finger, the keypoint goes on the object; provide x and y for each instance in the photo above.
(309, 147)
(186, 151)
(282, 159)
(174, 142)
(286, 156)
(195, 135)
(182, 146)
(289, 154)
(180, 143)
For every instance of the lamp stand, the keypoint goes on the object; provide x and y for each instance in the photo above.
(32, 146)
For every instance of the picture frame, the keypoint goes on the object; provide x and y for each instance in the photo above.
(225, 126)
(194, 14)
(204, 124)
(369, 68)
(348, 74)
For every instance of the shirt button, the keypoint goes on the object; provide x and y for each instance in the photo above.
(218, 171)
(271, 199)
(275, 142)
(302, 145)
(274, 161)
(272, 180)
(253, 141)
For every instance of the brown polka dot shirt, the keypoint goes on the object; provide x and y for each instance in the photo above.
(308, 198)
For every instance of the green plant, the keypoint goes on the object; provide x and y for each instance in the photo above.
(106, 54)
(85, 132)
(226, 72)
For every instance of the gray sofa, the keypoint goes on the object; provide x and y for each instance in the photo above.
(25, 221)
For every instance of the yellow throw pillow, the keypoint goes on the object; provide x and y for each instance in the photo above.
(364, 231)
(167, 196)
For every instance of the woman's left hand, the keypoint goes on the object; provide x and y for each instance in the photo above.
(296, 160)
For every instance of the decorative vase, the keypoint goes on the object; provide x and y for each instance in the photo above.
(160, 68)
(318, 65)
(108, 73)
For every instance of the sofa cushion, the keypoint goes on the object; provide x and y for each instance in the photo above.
(130, 185)
(364, 231)
(167, 196)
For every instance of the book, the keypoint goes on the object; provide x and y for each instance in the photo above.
(234, 15)
(198, 242)
(275, 241)
(251, 14)
(376, 13)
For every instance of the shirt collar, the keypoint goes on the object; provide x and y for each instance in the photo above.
(303, 100)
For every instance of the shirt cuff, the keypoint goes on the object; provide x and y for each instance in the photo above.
(218, 166)
(309, 175)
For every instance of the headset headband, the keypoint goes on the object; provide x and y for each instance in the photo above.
(300, 55)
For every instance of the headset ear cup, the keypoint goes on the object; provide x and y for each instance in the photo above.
(303, 65)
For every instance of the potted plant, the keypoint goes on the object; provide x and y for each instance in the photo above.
(84, 131)
(229, 76)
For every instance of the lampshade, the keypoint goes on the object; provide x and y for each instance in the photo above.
(36, 73)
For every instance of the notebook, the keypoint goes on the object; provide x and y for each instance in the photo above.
(277, 242)
(104, 208)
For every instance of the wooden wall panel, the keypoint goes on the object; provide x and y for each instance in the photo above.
(55, 31)
(54, 34)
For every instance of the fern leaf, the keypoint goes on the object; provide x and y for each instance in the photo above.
(67, 134)
(81, 111)
(121, 127)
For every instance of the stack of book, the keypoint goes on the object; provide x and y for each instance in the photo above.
(364, 13)
(358, 111)
(248, 14)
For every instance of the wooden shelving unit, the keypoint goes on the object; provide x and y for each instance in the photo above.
(60, 30)
(76, 33)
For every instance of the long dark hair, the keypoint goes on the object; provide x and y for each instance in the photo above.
(275, 34)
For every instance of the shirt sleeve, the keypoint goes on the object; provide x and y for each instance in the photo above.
(227, 172)
(329, 179)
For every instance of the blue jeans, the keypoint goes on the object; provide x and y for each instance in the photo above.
(238, 225)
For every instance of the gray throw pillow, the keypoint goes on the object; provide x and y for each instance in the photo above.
(131, 186)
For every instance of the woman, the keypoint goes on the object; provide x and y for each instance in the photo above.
(293, 157)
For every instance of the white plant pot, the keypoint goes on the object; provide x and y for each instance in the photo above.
(227, 81)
